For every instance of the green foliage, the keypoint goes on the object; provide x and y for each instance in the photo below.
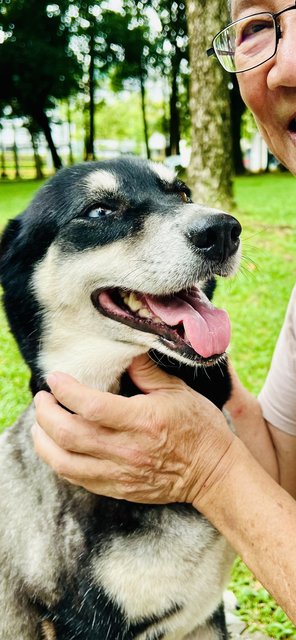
(120, 118)
(256, 298)
(36, 64)
(256, 608)
(72, 46)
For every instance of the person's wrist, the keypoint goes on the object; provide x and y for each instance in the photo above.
(207, 496)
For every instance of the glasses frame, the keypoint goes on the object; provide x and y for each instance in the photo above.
(277, 30)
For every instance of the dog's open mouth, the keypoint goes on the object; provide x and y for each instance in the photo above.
(185, 321)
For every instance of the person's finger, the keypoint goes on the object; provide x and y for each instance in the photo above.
(74, 466)
(104, 408)
(74, 434)
(58, 423)
(102, 477)
(148, 377)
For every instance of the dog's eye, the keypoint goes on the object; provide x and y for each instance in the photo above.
(184, 196)
(99, 212)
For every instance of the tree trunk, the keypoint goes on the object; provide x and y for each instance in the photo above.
(237, 108)
(143, 103)
(174, 112)
(3, 165)
(43, 121)
(90, 149)
(15, 155)
(210, 171)
(37, 159)
(71, 156)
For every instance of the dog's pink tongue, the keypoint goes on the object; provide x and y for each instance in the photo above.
(206, 328)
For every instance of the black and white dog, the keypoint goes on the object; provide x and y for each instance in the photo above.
(110, 260)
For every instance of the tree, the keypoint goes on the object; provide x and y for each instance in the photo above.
(105, 44)
(3, 164)
(166, 52)
(237, 109)
(133, 63)
(34, 133)
(173, 59)
(36, 64)
(211, 163)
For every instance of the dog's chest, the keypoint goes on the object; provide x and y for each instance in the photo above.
(160, 581)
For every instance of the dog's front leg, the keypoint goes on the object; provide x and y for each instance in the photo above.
(19, 619)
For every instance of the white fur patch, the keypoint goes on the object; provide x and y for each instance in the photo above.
(185, 563)
(101, 180)
(165, 174)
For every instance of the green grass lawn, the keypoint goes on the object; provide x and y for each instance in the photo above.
(257, 297)
(256, 300)
(14, 197)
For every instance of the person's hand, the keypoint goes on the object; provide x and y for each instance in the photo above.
(160, 447)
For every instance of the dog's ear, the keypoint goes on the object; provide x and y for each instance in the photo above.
(16, 266)
(8, 241)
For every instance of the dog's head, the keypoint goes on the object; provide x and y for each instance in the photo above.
(110, 260)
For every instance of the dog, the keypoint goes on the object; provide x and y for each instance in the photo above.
(110, 260)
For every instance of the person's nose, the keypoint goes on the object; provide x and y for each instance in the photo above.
(283, 70)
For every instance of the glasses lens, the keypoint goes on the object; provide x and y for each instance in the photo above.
(246, 43)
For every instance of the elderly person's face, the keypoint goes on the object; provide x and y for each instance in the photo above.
(270, 89)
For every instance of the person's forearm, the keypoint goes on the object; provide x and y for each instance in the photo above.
(251, 427)
(258, 518)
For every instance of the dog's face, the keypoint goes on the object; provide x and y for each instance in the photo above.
(109, 261)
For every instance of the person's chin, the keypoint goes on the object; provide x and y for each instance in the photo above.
(288, 158)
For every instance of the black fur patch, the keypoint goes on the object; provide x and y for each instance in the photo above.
(86, 613)
(218, 620)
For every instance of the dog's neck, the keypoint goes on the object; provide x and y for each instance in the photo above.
(99, 365)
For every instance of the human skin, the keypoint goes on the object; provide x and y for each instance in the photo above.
(270, 90)
(171, 444)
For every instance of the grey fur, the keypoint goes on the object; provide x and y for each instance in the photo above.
(174, 569)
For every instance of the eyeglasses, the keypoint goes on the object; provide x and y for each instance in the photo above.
(248, 42)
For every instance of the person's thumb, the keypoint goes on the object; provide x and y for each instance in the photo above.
(148, 377)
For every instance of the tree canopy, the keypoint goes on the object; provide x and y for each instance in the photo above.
(50, 52)
(37, 66)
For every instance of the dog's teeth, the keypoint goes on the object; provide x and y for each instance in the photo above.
(134, 303)
(144, 313)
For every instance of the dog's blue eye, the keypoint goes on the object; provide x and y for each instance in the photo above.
(99, 212)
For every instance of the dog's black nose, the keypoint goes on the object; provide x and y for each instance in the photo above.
(215, 235)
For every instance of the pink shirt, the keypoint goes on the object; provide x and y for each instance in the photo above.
(278, 396)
